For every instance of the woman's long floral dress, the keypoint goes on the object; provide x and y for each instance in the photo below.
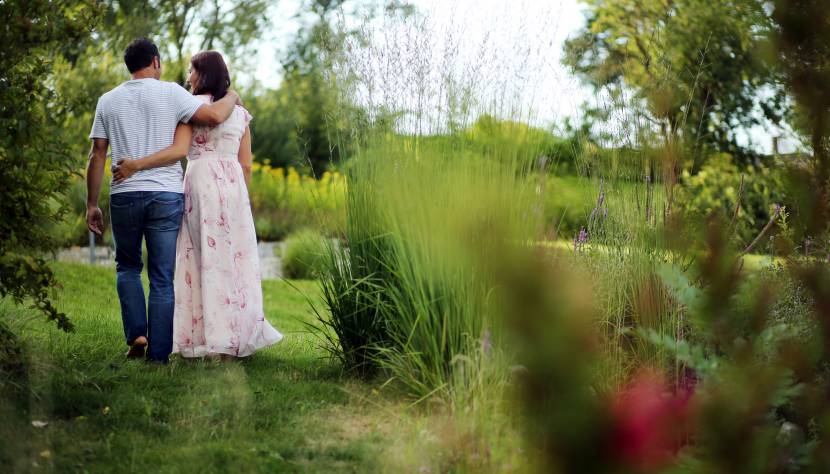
(217, 282)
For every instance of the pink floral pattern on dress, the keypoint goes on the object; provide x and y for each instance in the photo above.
(218, 308)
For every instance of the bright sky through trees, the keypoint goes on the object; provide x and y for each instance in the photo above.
(543, 25)
(484, 32)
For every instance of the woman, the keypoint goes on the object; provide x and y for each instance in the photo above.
(218, 309)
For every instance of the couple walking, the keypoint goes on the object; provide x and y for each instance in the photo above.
(205, 293)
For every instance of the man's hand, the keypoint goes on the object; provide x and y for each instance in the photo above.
(94, 175)
(238, 99)
(124, 169)
(95, 220)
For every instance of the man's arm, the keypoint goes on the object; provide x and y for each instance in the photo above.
(213, 114)
(175, 152)
(94, 175)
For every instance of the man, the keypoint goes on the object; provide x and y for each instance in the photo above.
(139, 118)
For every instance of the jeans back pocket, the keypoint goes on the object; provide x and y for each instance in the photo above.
(164, 212)
(122, 213)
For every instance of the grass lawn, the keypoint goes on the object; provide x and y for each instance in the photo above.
(287, 409)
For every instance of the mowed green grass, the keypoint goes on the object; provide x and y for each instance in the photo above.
(286, 409)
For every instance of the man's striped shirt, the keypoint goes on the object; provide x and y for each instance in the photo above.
(139, 118)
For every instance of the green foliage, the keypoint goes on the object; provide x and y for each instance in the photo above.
(80, 82)
(323, 123)
(274, 139)
(304, 255)
(803, 48)
(35, 168)
(313, 96)
(283, 201)
(567, 202)
(489, 135)
(721, 187)
(748, 390)
(549, 314)
(694, 63)
(175, 25)
(793, 306)
(306, 133)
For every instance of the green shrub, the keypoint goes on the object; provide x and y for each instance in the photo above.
(283, 201)
(717, 189)
(567, 201)
(304, 255)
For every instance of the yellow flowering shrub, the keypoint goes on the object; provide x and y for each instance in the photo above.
(283, 200)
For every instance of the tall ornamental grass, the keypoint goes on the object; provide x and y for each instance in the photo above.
(413, 280)
(438, 180)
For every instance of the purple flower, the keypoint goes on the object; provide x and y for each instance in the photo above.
(580, 240)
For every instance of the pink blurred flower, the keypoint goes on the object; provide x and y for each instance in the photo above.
(650, 422)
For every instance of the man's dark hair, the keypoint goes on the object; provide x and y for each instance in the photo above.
(140, 53)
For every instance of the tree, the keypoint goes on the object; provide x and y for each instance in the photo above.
(34, 167)
(176, 26)
(273, 128)
(692, 64)
(87, 68)
(230, 26)
(324, 123)
(306, 85)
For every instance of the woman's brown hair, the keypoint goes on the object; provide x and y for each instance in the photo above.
(213, 77)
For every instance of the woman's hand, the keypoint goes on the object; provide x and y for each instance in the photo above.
(124, 169)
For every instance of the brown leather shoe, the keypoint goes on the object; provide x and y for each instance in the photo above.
(137, 348)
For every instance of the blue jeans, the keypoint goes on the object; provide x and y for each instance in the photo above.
(155, 216)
